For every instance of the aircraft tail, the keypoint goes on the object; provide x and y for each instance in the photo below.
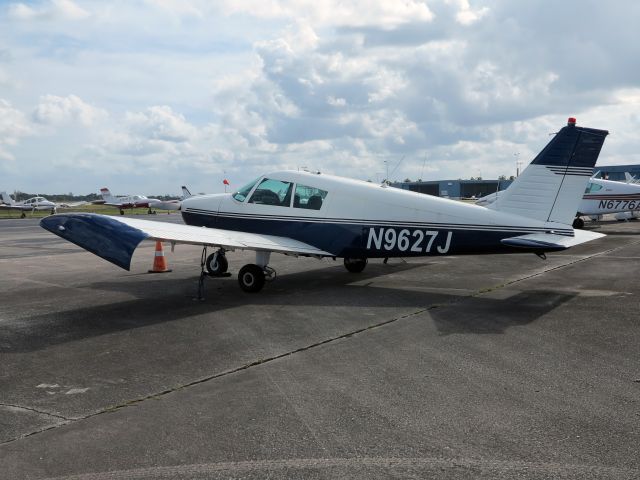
(551, 187)
(106, 195)
(186, 193)
(6, 198)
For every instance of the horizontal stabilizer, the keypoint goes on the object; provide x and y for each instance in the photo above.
(549, 242)
(115, 239)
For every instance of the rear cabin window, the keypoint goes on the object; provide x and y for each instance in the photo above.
(241, 195)
(308, 197)
(273, 192)
(593, 187)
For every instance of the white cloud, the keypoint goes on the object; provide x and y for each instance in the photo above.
(13, 126)
(54, 110)
(466, 15)
(183, 87)
(160, 123)
(55, 9)
(336, 12)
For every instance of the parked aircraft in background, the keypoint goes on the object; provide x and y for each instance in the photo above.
(317, 215)
(137, 201)
(33, 204)
(600, 197)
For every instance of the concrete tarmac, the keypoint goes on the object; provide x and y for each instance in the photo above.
(498, 366)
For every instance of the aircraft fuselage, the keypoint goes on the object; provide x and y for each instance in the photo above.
(366, 220)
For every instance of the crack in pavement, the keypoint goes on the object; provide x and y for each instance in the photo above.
(358, 331)
(40, 412)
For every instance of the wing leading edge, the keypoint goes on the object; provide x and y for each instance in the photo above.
(115, 239)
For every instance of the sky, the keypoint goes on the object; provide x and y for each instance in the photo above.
(144, 96)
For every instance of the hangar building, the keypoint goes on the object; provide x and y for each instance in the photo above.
(455, 188)
(479, 188)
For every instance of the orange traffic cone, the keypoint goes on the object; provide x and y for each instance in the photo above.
(159, 262)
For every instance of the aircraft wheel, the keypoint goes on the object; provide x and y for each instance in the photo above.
(121, 212)
(578, 223)
(355, 265)
(251, 278)
(217, 267)
(23, 215)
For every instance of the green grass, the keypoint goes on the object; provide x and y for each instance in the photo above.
(102, 209)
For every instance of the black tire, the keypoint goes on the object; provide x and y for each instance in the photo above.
(355, 265)
(251, 278)
(578, 223)
(218, 267)
(121, 212)
(23, 215)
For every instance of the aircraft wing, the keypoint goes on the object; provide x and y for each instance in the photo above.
(15, 207)
(72, 205)
(115, 239)
(547, 242)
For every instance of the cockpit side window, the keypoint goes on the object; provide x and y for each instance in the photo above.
(593, 187)
(308, 197)
(273, 192)
(241, 195)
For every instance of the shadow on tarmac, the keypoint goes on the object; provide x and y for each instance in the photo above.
(165, 299)
(487, 316)
(329, 288)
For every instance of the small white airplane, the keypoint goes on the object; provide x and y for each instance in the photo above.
(600, 197)
(33, 204)
(137, 201)
(317, 215)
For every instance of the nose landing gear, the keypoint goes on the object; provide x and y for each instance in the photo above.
(217, 264)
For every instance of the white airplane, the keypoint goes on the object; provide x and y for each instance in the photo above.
(600, 197)
(137, 201)
(317, 215)
(33, 204)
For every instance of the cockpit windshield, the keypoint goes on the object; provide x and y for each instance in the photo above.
(273, 192)
(592, 187)
(241, 195)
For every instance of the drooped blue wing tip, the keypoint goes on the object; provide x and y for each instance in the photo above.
(101, 235)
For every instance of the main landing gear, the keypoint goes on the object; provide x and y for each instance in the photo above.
(578, 223)
(251, 277)
(355, 265)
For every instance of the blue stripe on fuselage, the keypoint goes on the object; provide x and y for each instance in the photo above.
(356, 240)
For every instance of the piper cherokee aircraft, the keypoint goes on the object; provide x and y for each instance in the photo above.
(318, 215)
(600, 197)
(33, 204)
(137, 201)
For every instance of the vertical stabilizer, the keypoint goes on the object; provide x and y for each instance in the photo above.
(106, 195)
(185, 193)
(551, 187)
(6, 198)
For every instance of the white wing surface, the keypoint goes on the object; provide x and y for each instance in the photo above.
(229, 239)
(115, 239)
